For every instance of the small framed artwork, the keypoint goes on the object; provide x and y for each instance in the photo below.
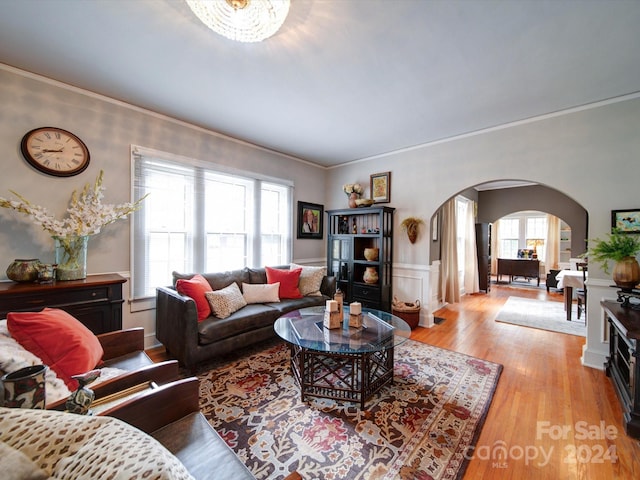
(380, 187)
(310, 220)
(626, 221)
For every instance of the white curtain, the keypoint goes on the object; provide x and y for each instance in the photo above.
(449, 267)
(552, 256)
(471, 276)
(495, 246)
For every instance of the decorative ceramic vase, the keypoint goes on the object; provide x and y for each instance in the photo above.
(353, 196)
(22, 270)
(71, 257)
(80, 400)
(626, 273)
(371, 254)
(370, 275)
(25, 388)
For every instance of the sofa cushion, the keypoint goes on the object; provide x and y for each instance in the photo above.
(287, 305)
(196, 287)
(260, 293)
(310, 279)
(288, 280)
(225, 301)
(222, 279)
(72, 350)
(251, 317)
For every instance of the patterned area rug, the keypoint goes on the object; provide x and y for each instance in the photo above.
(529, 312)
(420, 427)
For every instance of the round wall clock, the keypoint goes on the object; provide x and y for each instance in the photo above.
(55, 151)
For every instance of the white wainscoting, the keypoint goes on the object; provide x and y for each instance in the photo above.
(415, 282)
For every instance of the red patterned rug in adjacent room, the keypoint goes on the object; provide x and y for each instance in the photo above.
(421, 427)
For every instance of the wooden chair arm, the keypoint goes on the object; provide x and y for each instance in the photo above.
(154, 408)
(121, 342)
(160, 373)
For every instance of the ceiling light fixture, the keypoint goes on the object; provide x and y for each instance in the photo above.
(242, 20)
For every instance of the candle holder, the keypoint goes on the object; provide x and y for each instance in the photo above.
(355, 320)
(332, 320)
(355, 314)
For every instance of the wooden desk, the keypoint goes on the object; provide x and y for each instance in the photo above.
(518, 268)
(96, 301)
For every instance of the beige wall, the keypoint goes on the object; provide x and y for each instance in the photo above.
(591, 155)
(109, 129)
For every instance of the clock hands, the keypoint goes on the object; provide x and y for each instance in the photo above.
(47, 151)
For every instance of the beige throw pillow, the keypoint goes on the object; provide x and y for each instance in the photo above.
(225, 301)
(310, 279)
(261, 292)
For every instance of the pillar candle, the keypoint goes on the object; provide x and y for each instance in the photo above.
(332, 306)
(355, 308)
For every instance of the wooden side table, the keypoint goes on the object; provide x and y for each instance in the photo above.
(96, 301)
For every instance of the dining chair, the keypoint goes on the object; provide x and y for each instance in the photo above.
(581, 293)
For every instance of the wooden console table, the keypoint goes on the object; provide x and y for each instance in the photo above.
(96, 301)
(622, 365)
(518, 268)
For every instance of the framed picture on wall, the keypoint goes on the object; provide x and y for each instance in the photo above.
(626, 221)
(380, 187)
(310, 220)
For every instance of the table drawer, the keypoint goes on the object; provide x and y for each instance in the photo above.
(25, 302)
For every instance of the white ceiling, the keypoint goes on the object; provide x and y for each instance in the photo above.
(343, 79)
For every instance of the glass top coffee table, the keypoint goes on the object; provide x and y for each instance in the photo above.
(346, 363)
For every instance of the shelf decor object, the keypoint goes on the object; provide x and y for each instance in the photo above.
(242, 20)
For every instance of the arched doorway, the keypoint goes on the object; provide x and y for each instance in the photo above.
(499, 198)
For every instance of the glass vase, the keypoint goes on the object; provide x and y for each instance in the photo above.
(71, 257)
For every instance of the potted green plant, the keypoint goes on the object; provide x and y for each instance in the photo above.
(620, 248)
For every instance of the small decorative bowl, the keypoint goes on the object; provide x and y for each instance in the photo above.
(364, 202)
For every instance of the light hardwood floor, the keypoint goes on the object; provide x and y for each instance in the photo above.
(554, 417)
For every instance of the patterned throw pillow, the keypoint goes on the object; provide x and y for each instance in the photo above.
(225, 301)
(310, 279)
(66, 445)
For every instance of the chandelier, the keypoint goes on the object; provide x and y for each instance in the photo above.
(242, 20)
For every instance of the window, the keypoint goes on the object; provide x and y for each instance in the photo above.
(199, 217)
(509, 237)
(536, 235)
(523, 230)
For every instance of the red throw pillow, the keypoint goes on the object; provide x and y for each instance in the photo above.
(59, 340)
(288, 281)
(196, 287)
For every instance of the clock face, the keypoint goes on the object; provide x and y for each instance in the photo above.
(55, 151)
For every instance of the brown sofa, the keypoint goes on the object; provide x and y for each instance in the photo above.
(192, 342)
